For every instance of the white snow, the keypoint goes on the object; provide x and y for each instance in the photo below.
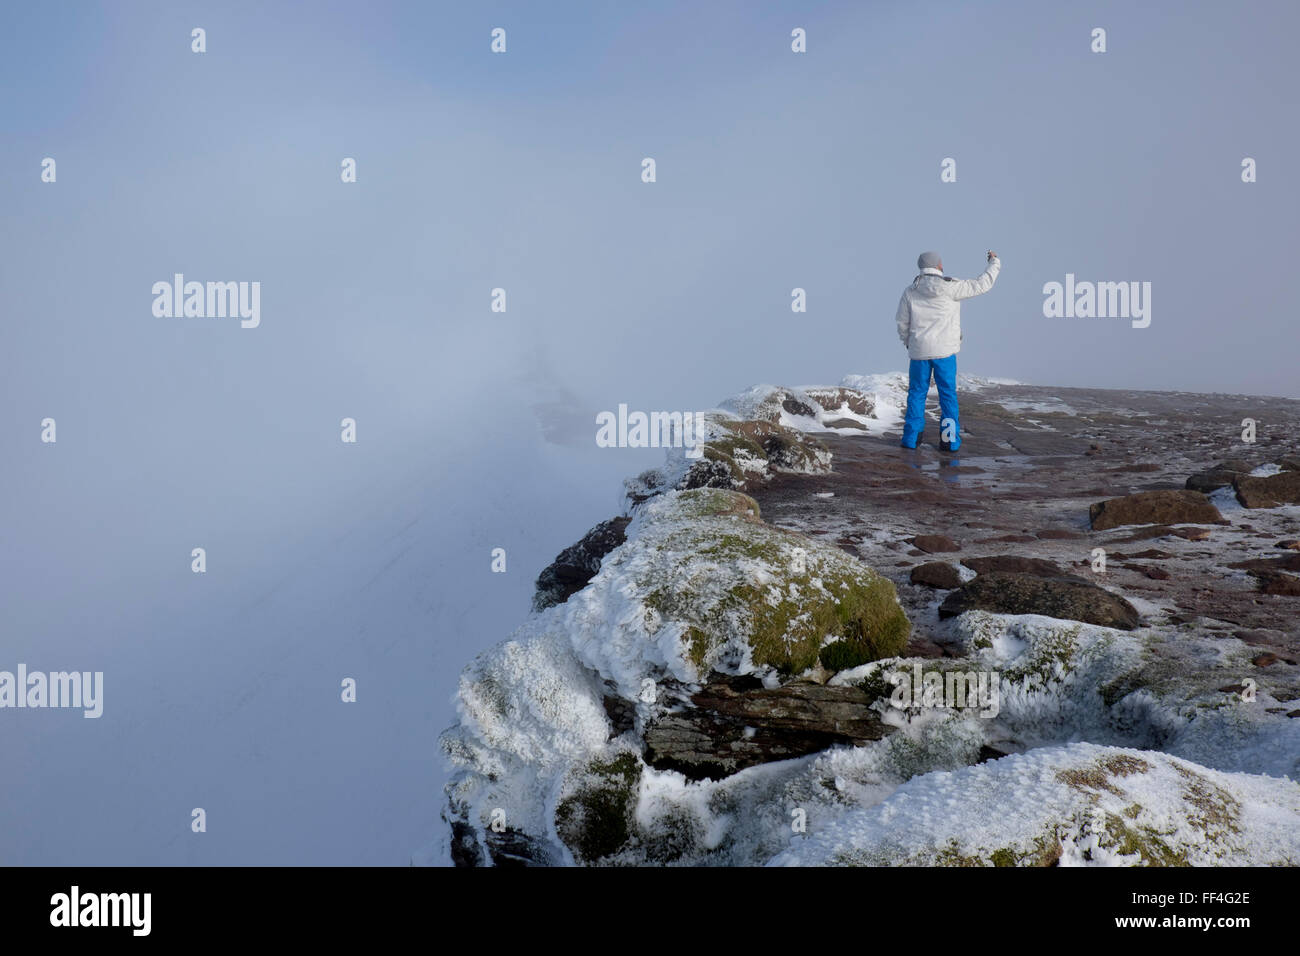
(1043, 406)
(890, 392)
(1206, 816)
(1225, 499)
(757, 401)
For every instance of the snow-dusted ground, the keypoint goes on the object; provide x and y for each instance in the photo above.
(1126, 746)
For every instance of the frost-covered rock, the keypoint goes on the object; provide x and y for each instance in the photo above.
(735, 453)
(701, 585)
(810, 408)
(717, 589)
(764, 430)
(753, 449)
(528, 710)
(773, 404)
(1075, 805)
(1194, 696)
(842, 407)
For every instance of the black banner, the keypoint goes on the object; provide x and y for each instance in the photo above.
(301, 905)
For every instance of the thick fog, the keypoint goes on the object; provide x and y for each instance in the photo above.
(475, 428)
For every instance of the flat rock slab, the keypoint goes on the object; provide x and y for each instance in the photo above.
(736, 722)
(1286, 562)
(1147, 532)
(1069, 598)
(1154, 507)
(1017, 564)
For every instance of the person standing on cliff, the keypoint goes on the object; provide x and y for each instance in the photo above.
(929, 323)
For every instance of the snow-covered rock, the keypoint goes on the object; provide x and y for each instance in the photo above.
(1075, 805)
(700, 585)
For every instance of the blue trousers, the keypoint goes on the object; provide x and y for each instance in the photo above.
(919, 371)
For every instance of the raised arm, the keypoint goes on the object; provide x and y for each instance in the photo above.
(968, 288)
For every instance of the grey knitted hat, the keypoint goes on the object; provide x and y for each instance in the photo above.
(928, 260)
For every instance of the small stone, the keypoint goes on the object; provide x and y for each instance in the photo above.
(796, 407)
(935, 543)
(936, 574)
(1220, 475)
(1271, 492)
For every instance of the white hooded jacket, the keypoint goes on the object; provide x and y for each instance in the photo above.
(929, 314)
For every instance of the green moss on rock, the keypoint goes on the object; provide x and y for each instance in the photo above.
(749, 449)
(596, 819)
(714, 502)
(877, 685)
(733, 582)
(1147, 845)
